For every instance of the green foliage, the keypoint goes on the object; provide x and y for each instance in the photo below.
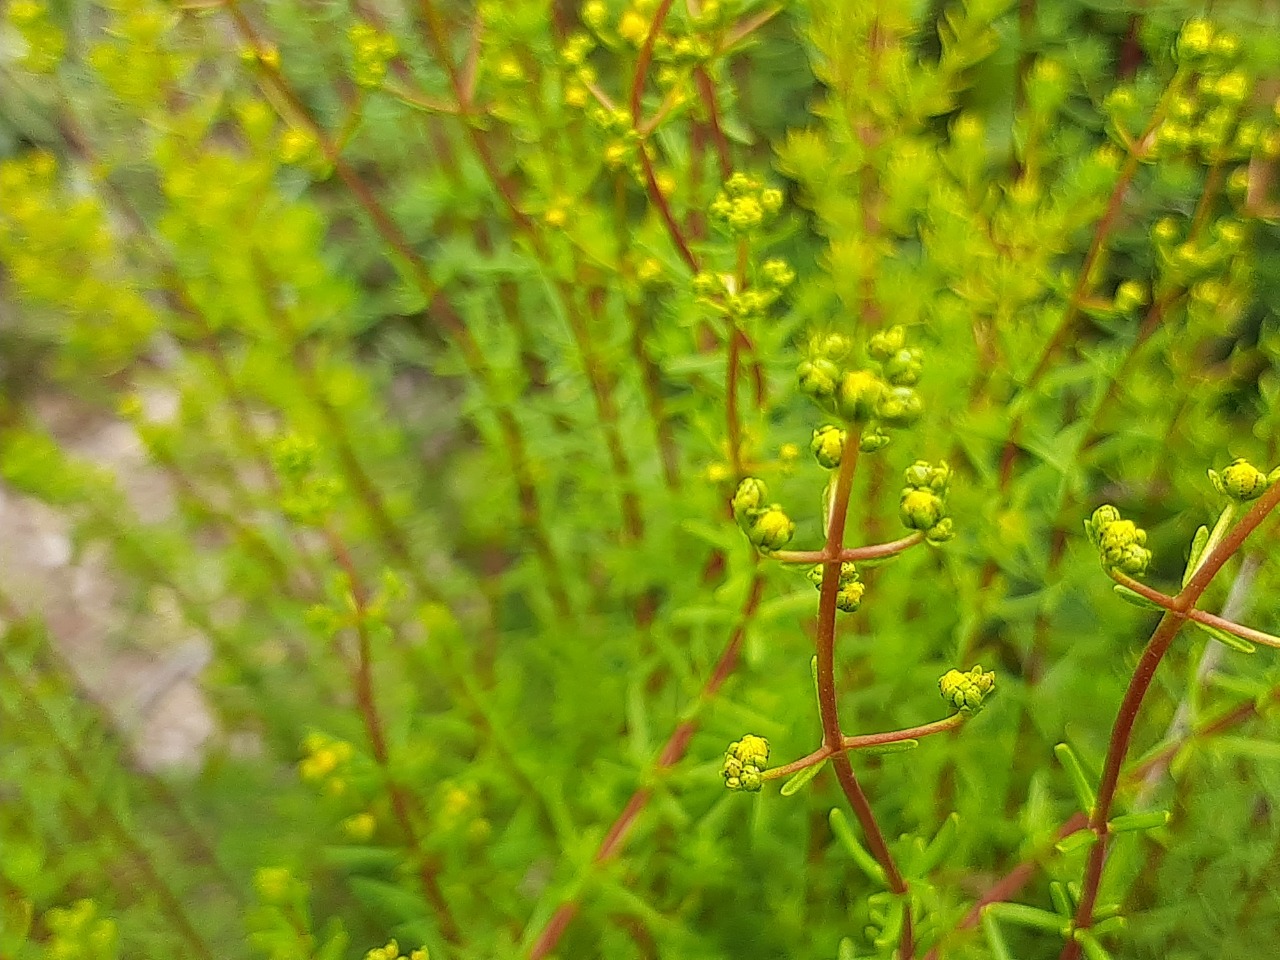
(478, 345)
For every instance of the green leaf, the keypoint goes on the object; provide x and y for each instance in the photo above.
(995, 937)
(843, 832)
(942, 844)
(1080, 782)
(1076, 841)
(1197, 550)
(389, 898)
(1061, 899)
(362, 858)
(881, 749)
(801, 779)
(1092, 948)
(1225, 638)
(1025, 916)
(1147, 820)
(1132, 596)
(1247, 747)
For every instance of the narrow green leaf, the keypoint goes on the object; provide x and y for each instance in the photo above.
(939, 847)
(1075, 771)
(362, 858)
(1225, 638)
(1025, 916)
(801, 779)
(1148, 820)
(1076, 841)
(995, 937)
(843, 831)
(892, 927)
(897, 746)
(1092, 948)
(1109, 925)
(1061, 901)
(1132, 596)
(1247, 747)
(1197, 550)
(1242, 686)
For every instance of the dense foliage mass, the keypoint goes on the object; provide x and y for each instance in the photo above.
(516, 371)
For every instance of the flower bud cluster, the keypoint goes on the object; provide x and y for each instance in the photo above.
(745, 204)
(622, 140)
(827, 445)
(1121, 543)
(460, 813)
(1214, 121)
(744, 762)
(45, 41)
(307, 497)
(870, 398)
(851, 587)
(78, 931)
(766, 525)
(1208, 266)
(371, 51)
(923, 505)
(967, 691)
(719, 291)
(325, 762)
(391, 951)
(1242, 481)
(277, 885)
(45, 229)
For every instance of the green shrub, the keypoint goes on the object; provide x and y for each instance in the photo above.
(483, 350)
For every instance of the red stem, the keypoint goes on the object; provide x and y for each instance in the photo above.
(827, 699)
(875, 551)
(1122, 731)
(866, 740)
(672, 752)
(1017, 878)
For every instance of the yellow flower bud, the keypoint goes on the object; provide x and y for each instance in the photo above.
(860, 392)
(1240, 480)
(749, 500)
(827, 445)
(771, 530)
(966, 691)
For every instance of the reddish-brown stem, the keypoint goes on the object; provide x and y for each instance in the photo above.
(656, 196)
(1126, 718)
(1101, 233)
(733, 421)
(875, 551)
(827, 698)
(671, 753)
(105, 819)
(707, 91)
(439, 309)
(865, 741)
(606, 411)
(644, 58)
(747, 27)
(1009, 885)
(375, 730)
(1201, 616)
(651, 381)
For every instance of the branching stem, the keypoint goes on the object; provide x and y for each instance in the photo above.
(1126, 718)
(864, 742)
(832, 737)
